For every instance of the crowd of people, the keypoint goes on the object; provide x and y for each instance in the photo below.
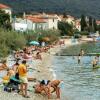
(17, 77)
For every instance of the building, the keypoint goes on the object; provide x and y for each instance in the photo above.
(7, 9)
(38, 22)
(98, 22)
(77, 25)
(52, 20)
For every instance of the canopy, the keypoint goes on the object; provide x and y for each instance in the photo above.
(34, 43)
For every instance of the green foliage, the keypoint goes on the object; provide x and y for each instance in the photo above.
(83, 23)
(94, 25)
(84, 33)
(73, 7)
(5, 20)
(65, 28)
(10, 40)
(40, 34)
(98, 28)
(90, 21)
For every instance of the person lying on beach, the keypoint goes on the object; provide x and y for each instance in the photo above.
(38, 56)
(3, 66)
(48, 87)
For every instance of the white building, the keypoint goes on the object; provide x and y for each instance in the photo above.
(7, 9)
(51, 20)
(77, 25)
(38, 22)
(29, 23)
(20, 27)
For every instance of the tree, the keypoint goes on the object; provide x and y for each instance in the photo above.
(4, 20)
(90, 24)
(98, 28)
(65, 28)
(94, 25)
(90, 21)
(83, 23)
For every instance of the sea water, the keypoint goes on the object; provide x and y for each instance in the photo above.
(81, 81)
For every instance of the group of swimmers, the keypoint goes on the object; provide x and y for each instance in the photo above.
(94, 61)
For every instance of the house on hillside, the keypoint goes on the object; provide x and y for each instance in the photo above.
(98, 22)
(7, 9)
(52, 20)
(38, 22)
(77, 25)
(35, 23)
(30, 23)
(69, 19)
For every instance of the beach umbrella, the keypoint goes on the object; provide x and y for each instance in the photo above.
(34, 43)
(46, 39)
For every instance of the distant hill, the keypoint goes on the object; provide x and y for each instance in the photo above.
(72, 7)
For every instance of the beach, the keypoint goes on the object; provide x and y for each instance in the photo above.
(42, 69)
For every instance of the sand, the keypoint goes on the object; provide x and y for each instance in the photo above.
(42, 70)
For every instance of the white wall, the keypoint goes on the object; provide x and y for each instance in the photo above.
(52, 23)
(20, 27)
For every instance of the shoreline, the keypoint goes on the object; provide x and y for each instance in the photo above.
(43, 70)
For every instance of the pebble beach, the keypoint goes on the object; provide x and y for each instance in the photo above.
(39, 69)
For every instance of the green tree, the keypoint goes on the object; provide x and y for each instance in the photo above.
(98, 28)
(94, 25)
(65, 28)
(90, 21)
(83, 23)
(4, 20)
(90, 24)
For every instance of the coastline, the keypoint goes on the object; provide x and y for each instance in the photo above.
(42, 70)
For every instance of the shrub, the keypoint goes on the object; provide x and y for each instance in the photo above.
(10, 41)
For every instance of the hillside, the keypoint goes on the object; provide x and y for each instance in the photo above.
(73, 7)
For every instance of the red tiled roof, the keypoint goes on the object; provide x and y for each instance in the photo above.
(36, 19)
(98, 22)
(2, 6)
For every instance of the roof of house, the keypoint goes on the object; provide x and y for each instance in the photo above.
(36, 19)
(2, 6)
(98, 22)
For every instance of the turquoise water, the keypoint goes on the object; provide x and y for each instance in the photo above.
(81, 81)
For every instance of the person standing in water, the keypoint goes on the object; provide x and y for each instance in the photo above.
(94, 62)
(79, 59)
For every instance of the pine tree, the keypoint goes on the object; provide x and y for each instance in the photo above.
(91, 28)
(83, 23)
(90, 21)
(94, 25)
